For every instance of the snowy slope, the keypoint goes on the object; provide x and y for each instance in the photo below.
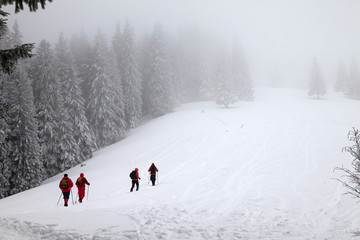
(259, 170)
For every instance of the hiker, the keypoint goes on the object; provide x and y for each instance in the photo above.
(65, 185)
(80, 183)
(152, 171)
(134, 175)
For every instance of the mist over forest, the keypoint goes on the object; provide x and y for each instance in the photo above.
(280, 38)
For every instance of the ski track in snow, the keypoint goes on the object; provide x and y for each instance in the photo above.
(228, 176)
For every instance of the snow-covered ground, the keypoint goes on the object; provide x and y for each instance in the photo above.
(258, 170)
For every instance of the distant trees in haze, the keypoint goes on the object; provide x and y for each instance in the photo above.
(317, 85)
(348, 79)
(341, 78)
(81, 95)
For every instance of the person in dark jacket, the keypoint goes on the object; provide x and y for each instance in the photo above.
(65, 185)
(135, 179)
(80, 183)
(153, 170)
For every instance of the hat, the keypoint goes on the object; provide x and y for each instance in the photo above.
(81, 174)
(136, 169)
(65, 175)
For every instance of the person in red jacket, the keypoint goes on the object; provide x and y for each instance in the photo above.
(65, 185)
(135, 179)
(80, 183)
(153, 170)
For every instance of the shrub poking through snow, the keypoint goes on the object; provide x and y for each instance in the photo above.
(352, 182)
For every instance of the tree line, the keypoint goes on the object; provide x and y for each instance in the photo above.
(79, 96)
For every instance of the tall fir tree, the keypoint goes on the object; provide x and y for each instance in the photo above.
(317, 85)
(160, 90)
(26, 167)
(119, 97)
(116, 61)
(188, 63)
(83, 56)
(131, 80)
(146, 72)
(101, 110)
(49, 106)
(74, 105)
(5, 161)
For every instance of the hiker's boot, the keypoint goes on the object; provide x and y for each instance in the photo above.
(80, 200)
(65, 204)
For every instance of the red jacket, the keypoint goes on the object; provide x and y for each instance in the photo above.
(70, 185)
(155, 170)
(81, 181)
(137, 176)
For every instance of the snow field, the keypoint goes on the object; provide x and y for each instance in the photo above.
(259, 170)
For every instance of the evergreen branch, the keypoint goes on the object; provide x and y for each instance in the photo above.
(19, 4)
(9, 57)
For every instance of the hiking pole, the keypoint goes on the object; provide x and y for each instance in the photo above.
(77, 195)
(72, 199)
(149, 178)
(157, 178)
(59, 199)
(87, 195)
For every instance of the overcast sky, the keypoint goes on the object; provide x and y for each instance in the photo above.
(283, 34)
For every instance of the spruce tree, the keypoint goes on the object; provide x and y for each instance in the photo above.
(131, 80)
(24, 149)
(101, 109)
(74, 105)
(26, 167)
(188, 63)
(49, 107)
(317, 85)
(5, 161)
(146, 73)
(119, 98)
(160, 90)
(83, 56)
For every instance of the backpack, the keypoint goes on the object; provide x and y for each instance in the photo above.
(153, 169)
(80, 181)
(64, 183)
(133, 175)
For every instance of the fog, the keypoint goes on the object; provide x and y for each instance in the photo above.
(279, 36)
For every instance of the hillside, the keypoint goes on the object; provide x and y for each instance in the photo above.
(258, 170)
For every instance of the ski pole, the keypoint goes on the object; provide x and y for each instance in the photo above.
(59, 199)
(72, 199)
(149, 178)
(157, 178)
(87, 195)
